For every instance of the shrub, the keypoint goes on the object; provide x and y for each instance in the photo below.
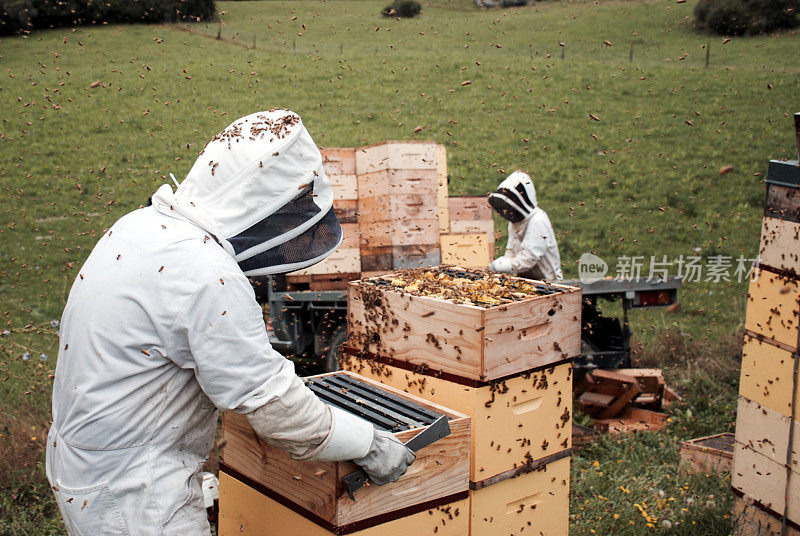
(740, 17)
(402, 8)
(19, 16)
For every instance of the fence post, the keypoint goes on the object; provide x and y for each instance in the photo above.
(708, 53)
(563, 51)
(219, 30)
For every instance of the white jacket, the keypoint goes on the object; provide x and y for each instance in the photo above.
(160, 329)
(532, 250)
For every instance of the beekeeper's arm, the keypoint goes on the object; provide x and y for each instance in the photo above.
(220, 334)
(529, 252)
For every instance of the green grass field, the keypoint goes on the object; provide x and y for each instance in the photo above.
(625, 155)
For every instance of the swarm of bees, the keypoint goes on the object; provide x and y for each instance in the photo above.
(457, 285)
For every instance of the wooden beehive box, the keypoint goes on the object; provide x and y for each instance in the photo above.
(767, 375)
(765, 480)
(518, 423)
(711, 454)
(248, 509)
(773, 307)
(481, 343)
(470, 250)
(536, 503)
(753, 519)
(339, 164)
(766, 432)
(442, 189)
(472, 214)
(315, 489)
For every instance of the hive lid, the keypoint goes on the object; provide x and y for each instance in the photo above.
(784, 173)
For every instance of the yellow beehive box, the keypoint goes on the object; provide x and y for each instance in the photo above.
(497, 338)
(246, 509)
(773, 307)
(767, 432)
(536, 503)
(780, 245)
(767, 375)
(752, 519)
(516, 422)
(467, 250)
(765, 480)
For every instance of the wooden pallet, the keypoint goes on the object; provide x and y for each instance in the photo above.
(315, 488)
(606, 393)
(465, 340)
(248, 509)
(710, 454)
(516, 422)
(633, 420)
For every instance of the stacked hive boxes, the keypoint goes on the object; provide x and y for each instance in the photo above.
(392, 203)
(766, 468)
(265, 492)
(398, 212)
(470, 242)
(507, 366)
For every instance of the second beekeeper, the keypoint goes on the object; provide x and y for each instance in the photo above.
(532, 250)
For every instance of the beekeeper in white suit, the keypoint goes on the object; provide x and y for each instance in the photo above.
(532, 250)
(161, 328)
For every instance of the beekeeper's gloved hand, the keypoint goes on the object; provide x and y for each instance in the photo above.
(387, 460)
(501, 264)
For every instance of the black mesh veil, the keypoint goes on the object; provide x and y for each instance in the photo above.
(309, 247)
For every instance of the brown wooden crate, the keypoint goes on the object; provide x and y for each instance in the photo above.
(767, 375)
(780, 245)
(338, 160)
(469, 341)
(392, 155)
(246, 511)
(375, 259)
(440, 469)
(700, 458)
(773, 307)
(515, 422)
(536, 503)
(470, 207)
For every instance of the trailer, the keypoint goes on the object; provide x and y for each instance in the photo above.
(311, 325)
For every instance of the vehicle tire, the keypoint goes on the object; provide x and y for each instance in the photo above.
(338, 337)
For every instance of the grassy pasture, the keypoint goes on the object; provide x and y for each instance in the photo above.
(625, 155)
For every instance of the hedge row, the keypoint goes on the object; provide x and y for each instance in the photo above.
(21, 16)
(746, 17)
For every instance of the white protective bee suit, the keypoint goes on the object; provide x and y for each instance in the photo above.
(161, 328)
(532, 250)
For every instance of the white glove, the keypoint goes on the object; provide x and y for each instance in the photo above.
(501, 264)
(387, 460)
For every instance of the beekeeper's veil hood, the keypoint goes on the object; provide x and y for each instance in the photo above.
(515, 198)
(258, 187)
